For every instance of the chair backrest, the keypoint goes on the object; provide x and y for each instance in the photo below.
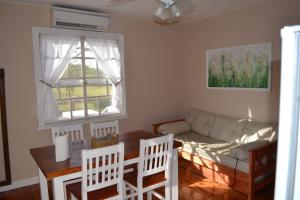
(155, 156)
(104, 128)
(102, 167)
(75, 132)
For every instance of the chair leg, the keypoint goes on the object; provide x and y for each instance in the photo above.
(140, 195)
(132, 194)
(124, 191)
(73, 197)
(168, 192)
(149, 195)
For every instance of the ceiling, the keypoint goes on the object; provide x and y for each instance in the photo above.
(143, 9)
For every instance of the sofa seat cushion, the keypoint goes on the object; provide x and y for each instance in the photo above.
(175, 128)
(208, 148)
(201, 121)
(227, 128)
(243, 166)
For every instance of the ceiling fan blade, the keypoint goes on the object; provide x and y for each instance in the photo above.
(186, 6)
(114, 3)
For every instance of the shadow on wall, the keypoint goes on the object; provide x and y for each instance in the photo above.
(273, 105)
(275, 91)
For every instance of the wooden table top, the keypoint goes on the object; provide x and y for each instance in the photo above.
(45, 156)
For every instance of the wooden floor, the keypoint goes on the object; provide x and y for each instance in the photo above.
(191, 187)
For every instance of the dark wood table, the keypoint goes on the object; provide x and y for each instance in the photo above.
(59, 172)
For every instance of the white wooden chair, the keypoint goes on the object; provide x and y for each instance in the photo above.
(104, 128)
(154, 169)
(75, 132)
(102, 174)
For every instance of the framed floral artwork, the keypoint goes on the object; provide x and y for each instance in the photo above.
(243, 67)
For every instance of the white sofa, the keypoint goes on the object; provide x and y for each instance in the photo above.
(225, 141)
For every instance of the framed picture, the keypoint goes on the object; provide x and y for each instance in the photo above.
(244, 67)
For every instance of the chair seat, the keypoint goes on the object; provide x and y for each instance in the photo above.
(100, 194)
(148, 181)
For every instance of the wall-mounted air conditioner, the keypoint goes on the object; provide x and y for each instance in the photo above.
(79, 19)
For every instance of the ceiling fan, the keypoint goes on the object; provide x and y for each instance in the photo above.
(170, 11)
(167, 11)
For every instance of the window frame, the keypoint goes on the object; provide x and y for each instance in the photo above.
(37, 31)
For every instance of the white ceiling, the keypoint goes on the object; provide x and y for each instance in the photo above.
(143, 9)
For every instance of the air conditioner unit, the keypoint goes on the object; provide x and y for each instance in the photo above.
(79, 19)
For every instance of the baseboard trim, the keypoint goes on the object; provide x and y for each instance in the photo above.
(20, 183)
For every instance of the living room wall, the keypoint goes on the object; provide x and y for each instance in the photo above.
(253, 25)
(150, 65)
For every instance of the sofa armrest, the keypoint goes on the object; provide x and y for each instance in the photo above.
(262, 161)
(155, 126)
(271, 147)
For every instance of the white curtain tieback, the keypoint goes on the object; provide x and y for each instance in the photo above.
(48, 84)
(117, 83)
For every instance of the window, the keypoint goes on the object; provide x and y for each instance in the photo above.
(79, 75)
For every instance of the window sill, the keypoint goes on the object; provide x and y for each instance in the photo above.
(81, 121)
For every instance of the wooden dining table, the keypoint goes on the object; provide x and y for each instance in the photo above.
(59, 172)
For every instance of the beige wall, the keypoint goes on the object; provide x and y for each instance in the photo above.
(248, 26)
(151, 78)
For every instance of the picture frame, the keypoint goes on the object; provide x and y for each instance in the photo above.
(245, 67)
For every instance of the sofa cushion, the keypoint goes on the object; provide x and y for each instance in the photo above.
(175, 128)
(209, 148)
(274, 134)
(254, 131)
(243, 166)
(228, 128)
(201, 121)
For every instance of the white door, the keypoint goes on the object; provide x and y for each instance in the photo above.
(288, 157)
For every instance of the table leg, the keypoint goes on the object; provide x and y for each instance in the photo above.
(43, 186)
(174, 175)
(58, 188)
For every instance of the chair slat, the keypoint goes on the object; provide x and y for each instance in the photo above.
(103, 129)
(75, 132)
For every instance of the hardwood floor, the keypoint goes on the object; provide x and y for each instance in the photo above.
(192, 187)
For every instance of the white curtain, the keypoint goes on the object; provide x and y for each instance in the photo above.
(56, 52)
(107, 52)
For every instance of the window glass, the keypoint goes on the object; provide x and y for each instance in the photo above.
(93, 106)
(93, 91)
(91, 68)
(78, 110)
(105, 104)
(64, 109)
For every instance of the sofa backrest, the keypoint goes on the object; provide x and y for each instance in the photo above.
(201, 121)
(254, 131)
(230, 129)
(227, 128)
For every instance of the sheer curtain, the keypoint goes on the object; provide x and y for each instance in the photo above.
(55, 54)
(107, 52)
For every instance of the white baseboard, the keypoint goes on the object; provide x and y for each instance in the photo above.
(20, 183)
